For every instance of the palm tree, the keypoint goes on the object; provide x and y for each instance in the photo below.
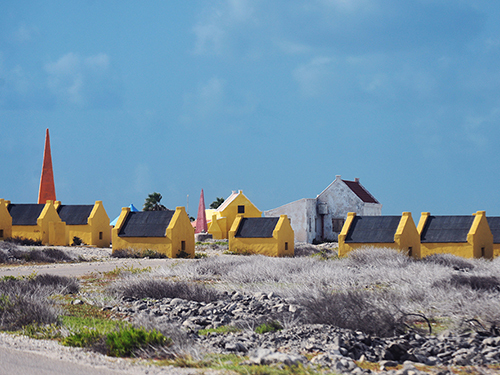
(152, 203)
(216, 203)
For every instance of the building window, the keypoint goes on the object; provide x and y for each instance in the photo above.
(286, 246)
(100, 235)
(1, 233)
(241, 209)
(183, 245)
(410, 251)
(482, 252)
(337, 225)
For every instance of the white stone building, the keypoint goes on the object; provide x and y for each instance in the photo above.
(321, 218)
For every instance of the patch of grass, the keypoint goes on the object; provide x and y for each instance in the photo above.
(232, 363)
(46, 331)
(200, 255)
(90, 317)
(219, 330)
(124, 342)
(270, 326)
(84, 338)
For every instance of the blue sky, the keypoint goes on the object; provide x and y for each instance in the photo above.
(271, 97)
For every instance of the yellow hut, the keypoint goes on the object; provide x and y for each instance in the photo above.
(271, 236)
(395, 232)
(168, 232)
(221, 219)
(39, 222)
(5, 221)
(90, 223)
(466, 236)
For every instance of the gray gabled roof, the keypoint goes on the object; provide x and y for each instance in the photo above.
(257, 227)
(373, 229)
(146, 224)
(25, 214)
(494, 223)
(446, 229)
(75, 214)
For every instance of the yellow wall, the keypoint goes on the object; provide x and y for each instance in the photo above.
(214, 227)
(406, 236)
(284, 234)
(462, 249)
(479, 237)
(273, 246)
(5, 220)
(53, 229)
(49, 229)
(226, 216)
(178, 230)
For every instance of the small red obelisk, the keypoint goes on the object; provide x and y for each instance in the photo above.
(47, 188)
(201, 219)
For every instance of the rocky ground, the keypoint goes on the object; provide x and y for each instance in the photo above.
(330, 348)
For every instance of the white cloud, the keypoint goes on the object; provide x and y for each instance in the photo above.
(313, 76)
(206, 102)
(83, 82)
(220, 23)
(25, 33)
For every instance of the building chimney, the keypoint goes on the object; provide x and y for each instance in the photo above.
(337, 177)
(356, 179)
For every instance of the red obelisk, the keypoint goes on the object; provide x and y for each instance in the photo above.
(201, 219)
(47, 188)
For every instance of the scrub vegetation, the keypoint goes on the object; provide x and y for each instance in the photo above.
(134, 253)
(376, 291)
(12, 253)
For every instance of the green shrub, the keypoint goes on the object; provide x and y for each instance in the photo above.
(82, 339)
(270, 326)
(125, 342)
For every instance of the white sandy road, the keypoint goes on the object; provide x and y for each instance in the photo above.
(23, 355)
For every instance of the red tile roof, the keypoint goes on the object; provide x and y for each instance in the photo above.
(360, 191)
